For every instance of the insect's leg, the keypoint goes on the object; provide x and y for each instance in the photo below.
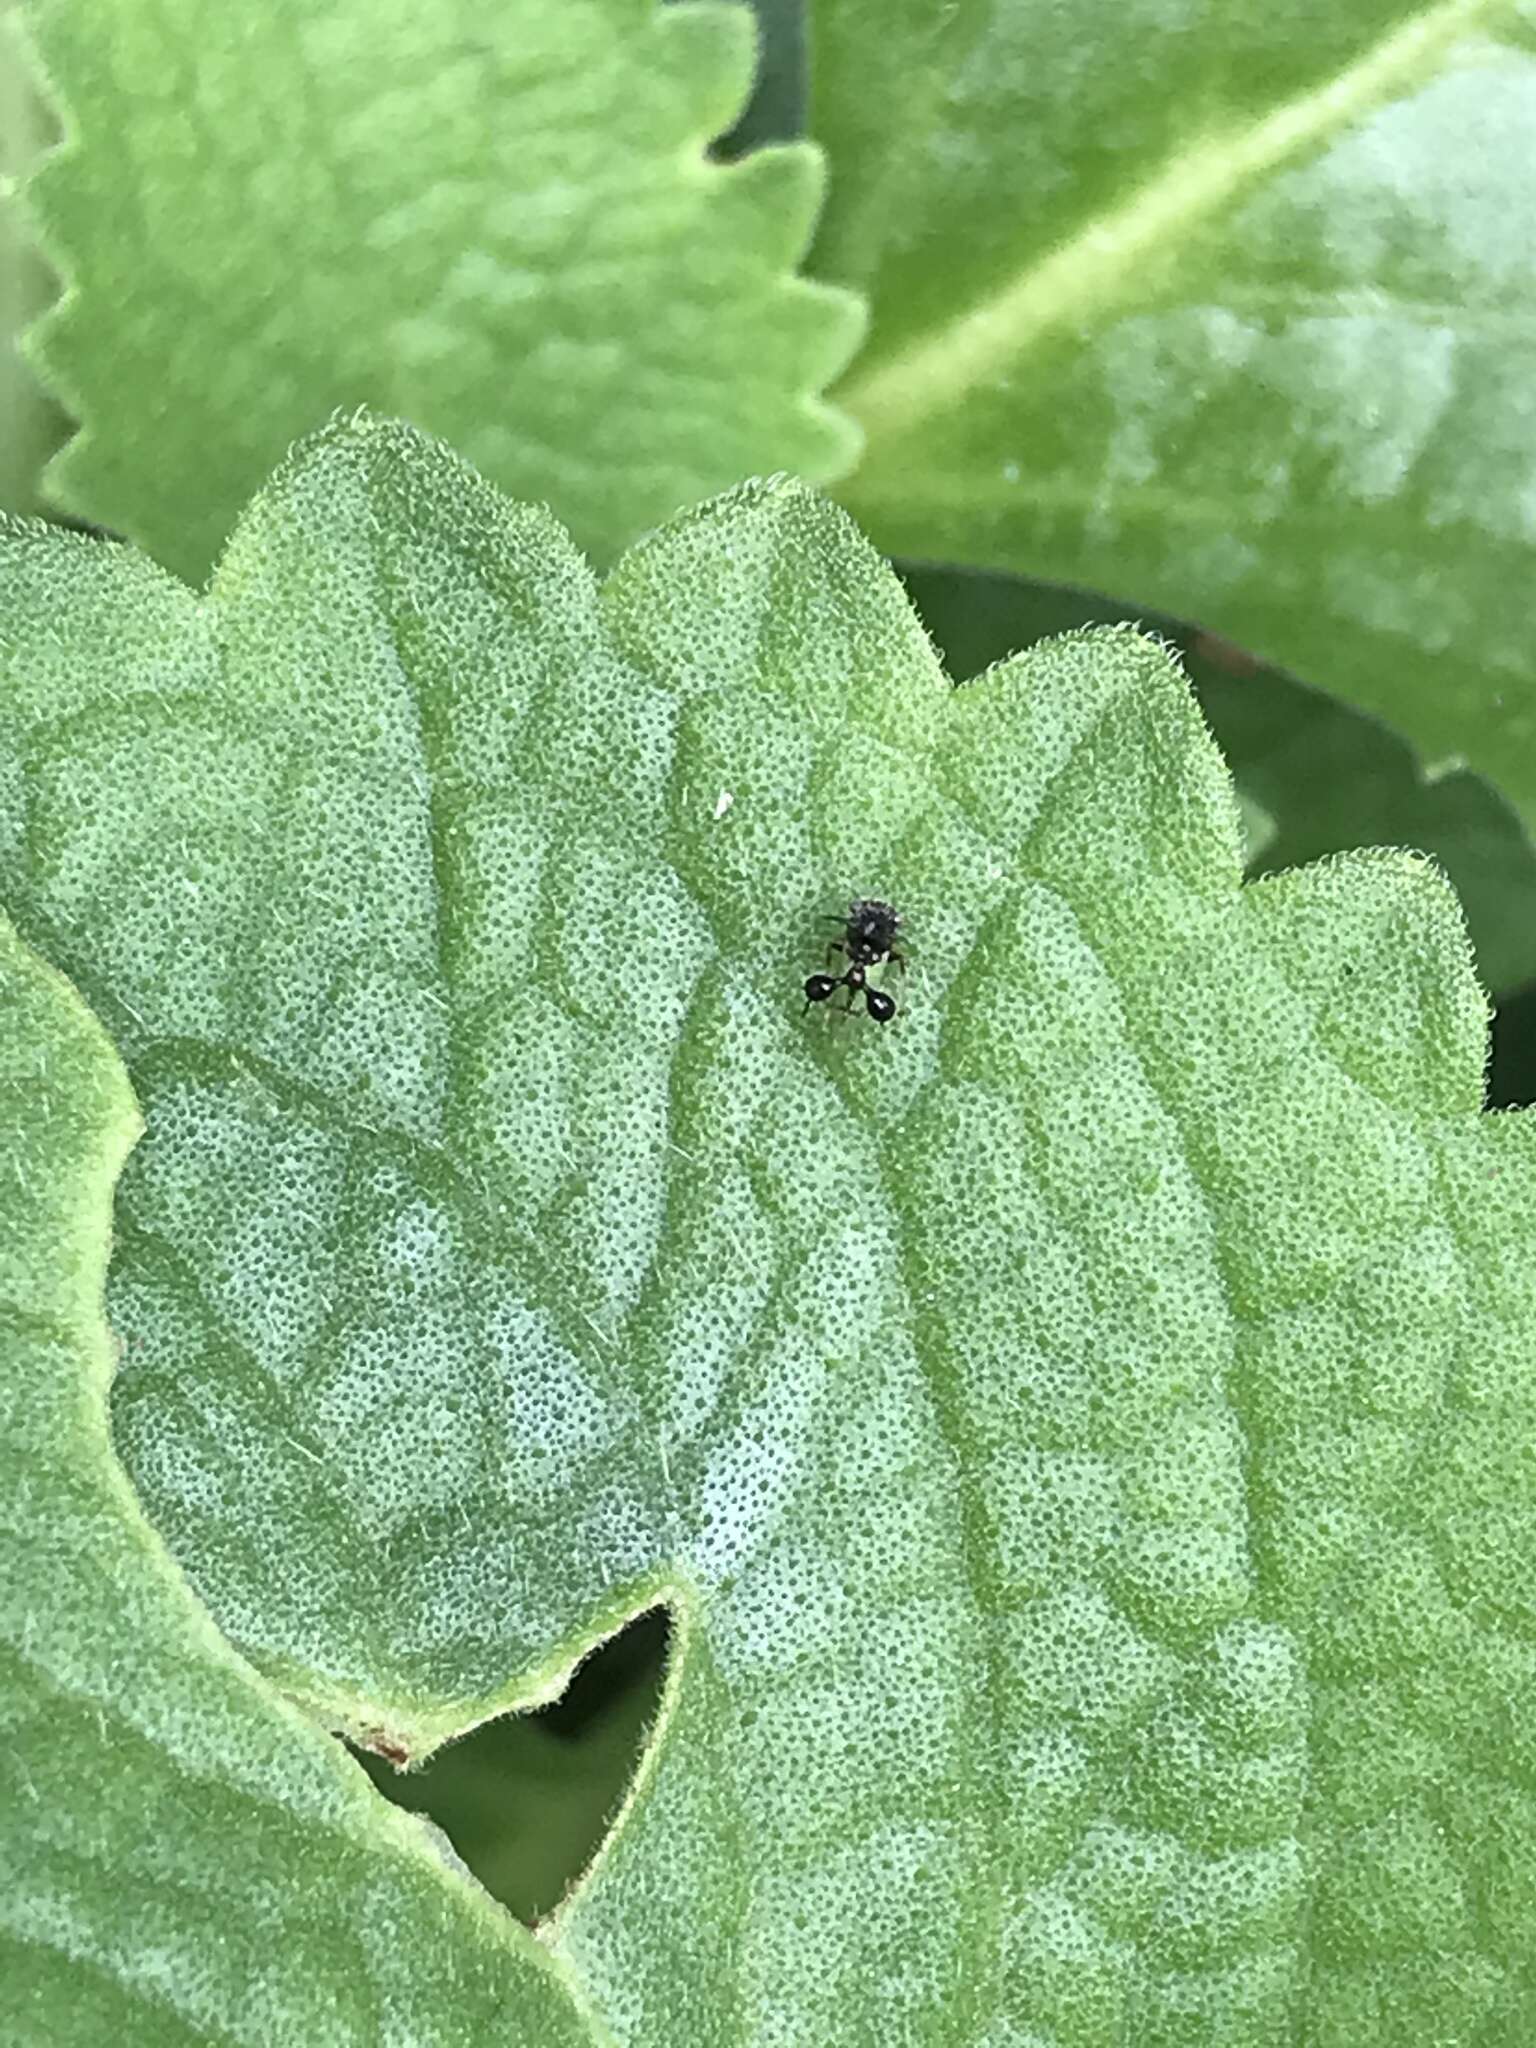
(898, 961)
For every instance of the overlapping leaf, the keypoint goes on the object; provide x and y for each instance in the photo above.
(186, 1860)
(1080, 1429)
(500, 223)
(1227, 311)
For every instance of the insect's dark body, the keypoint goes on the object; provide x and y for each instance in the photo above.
(869, 932)
(869, 936)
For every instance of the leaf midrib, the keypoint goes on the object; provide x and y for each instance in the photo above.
(1102, 265)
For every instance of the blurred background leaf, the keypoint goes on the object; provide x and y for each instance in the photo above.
(32, 426)
(503, 227)
(775, 112)
(1228, 312)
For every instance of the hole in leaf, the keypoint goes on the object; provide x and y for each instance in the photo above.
(526, 1799)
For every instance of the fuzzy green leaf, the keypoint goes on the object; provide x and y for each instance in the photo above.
(501, 224)
(1313, 776)
(186, 1859)
(1080, 1429)
(1227, 311)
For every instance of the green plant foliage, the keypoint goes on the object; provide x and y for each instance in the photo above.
(1224, 310)
(1079, 1429)
(186, 1860)
(500, 222)
(31, 425)
(1314, 776)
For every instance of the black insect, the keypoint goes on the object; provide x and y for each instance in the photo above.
(869, 936)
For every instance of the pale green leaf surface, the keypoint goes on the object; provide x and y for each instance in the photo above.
(1080, 1429)
(1227, 311)
(501, 223)
(1314, 776)
(186, 1860)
